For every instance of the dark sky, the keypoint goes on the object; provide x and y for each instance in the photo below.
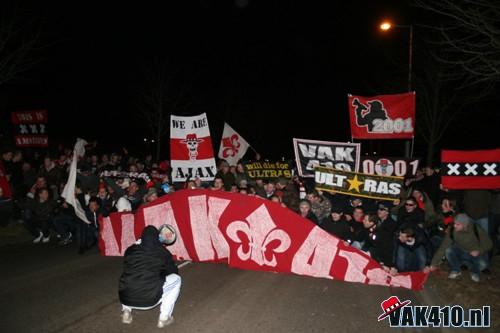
(273, 69)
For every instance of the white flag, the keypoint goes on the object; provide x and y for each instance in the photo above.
(69, 189)
(232, 147)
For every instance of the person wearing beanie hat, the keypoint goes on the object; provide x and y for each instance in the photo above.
(151, 195)
(465, 244)
(336, 224)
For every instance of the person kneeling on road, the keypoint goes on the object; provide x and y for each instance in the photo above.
(150, 277)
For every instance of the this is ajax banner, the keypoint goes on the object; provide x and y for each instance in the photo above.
(248, 233)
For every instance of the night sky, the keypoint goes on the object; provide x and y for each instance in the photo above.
(273, 70)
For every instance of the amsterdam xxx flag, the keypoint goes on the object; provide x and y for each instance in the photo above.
(232, 146)
(382, 116)
(474, 169)
(191, 150)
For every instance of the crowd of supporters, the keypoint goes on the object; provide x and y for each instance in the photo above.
(427, 225)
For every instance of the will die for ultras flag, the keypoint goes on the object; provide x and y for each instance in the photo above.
(232, 146)
(382, 116)
(191, 150)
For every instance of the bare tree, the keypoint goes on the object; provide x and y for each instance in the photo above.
(163, 94)
(469, 37)
(19, 42)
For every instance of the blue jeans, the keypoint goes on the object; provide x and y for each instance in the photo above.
(483, 223)
(457, 257)
(410, 260)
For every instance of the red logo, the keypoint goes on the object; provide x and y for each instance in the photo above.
(231, 146)
(390, 305)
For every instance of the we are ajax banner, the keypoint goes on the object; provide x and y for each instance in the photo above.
(473, 169)
(191, 151)
(382, 116)
(30, 128)
(248, 233)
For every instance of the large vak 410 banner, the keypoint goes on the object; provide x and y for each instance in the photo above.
(248, 233)
(338, 155)
(191, 150)
(31, 128)
(383, 116)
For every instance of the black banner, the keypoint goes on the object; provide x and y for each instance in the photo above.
(338, 155)
(358, 184)
(268, 170)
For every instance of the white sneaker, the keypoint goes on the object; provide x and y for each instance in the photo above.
(38, 239)
(126, 316)
(45, 240)
(454, 275)
(475, 277)
(166, 322)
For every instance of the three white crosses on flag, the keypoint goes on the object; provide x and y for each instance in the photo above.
(232, 147)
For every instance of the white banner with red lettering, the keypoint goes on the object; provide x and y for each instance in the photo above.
(191, 152)
(232, 146)
(248, 233)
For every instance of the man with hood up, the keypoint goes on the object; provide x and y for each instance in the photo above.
(150, 277)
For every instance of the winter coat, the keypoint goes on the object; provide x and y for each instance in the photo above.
(146, 264)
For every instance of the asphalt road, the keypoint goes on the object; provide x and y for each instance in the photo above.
(45, 288)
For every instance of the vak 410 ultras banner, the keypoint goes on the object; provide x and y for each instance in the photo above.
(248, 233)
(383, 116)
(191, 152)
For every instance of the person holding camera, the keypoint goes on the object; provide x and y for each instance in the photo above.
(150, 276)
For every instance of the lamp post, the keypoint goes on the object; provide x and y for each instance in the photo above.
(386, 26)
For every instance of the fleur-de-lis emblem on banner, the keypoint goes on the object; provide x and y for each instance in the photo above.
(259, 238)
(231, 146)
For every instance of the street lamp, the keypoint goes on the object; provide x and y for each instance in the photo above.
(386, 26)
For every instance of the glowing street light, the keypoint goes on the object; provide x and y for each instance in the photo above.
(385, 26)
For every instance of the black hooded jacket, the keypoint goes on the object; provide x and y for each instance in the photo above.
(145, 267)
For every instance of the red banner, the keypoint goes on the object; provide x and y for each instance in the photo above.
(4, 183)
(248, 233)
(31, 128)
(383, 116)
(475, 169)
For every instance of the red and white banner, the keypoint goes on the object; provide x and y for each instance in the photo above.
(31, 128)
(475, 169)
(383, 116)
(191, 150)
(232, 146)
(248, 233)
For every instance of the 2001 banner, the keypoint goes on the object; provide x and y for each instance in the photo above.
(248, 233)
(383, 116)
(358, 184)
